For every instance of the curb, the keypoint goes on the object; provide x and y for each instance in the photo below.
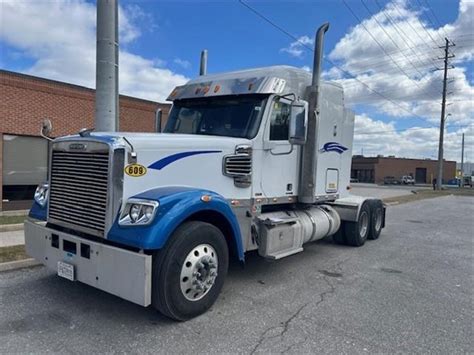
(14, 213)
(11, 227)
(18, 264)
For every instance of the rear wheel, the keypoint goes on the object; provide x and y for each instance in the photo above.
(376, 219)
(356, 233)
(188, 274)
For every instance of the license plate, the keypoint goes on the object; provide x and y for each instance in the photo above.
(66, 270)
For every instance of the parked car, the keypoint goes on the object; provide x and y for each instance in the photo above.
(467, 181)
(390, 180)
(408, 180)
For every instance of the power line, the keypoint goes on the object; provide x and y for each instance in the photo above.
(388, 35)
(409, 24)
(378, 43)
(429, 19)
(424, 28)
(406, 130)
(400, 30)
(281, 29)
(435, 17)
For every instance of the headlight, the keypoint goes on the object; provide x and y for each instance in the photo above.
(41, 194)
(138, 212)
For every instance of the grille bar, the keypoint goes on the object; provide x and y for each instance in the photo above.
(79, 190)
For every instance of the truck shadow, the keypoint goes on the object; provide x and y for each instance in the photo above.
(73, 300)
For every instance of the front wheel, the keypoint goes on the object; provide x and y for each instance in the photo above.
(188, 274)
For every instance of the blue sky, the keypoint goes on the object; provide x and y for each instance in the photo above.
(161, 42)
(237, 38)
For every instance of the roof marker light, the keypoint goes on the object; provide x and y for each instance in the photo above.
(205, 90)
(217, 88)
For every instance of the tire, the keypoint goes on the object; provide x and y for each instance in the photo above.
(195, 247)
(356, 233)
(376, 219)
(339, 237)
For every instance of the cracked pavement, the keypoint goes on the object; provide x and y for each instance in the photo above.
(410, 291)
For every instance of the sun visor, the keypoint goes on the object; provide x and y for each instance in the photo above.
(256, 85)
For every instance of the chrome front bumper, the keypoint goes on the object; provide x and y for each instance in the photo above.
(121, 272)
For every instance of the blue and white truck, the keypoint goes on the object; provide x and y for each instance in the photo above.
(249, 160)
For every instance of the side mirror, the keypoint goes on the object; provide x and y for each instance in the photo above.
(158, 115)
(298, 123)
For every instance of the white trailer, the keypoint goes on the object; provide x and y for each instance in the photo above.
(249, 160)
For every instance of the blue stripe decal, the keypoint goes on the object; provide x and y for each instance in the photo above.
(333, 147)
(160, 164)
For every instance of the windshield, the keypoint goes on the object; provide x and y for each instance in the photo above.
(218, 116)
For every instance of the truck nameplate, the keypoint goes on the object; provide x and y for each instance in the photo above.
(135, 170)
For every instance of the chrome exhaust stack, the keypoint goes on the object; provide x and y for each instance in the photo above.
(307, 192)
(203, 65)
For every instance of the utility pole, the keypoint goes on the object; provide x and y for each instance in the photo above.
(462, 161)
(106, 94)
(439, 178)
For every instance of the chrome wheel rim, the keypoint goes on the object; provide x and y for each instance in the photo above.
(363, 224)
(378, 219)
(198, 272)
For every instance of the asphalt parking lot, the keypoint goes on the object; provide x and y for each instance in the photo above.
(410, 292)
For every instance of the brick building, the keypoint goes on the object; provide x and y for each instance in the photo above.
(374, 169)
(25, 102)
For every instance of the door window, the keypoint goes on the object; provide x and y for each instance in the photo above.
(279, 121)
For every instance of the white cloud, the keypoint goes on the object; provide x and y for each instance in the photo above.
(60, 37)
(408, 40)
(297, 48)
(375, 137)
(182, 62)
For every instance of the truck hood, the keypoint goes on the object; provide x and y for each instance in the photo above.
(175, 160)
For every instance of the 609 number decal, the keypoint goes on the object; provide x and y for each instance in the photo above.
(135, 170)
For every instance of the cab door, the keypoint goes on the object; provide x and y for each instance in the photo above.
(280, 160)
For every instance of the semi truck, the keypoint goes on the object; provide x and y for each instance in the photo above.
(251, 160)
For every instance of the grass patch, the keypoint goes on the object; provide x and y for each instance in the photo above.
(13, 253)
(425, 194)
(12, 219)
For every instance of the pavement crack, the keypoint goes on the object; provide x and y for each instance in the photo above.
(286, 324)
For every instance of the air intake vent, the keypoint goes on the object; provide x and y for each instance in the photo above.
(239, 166)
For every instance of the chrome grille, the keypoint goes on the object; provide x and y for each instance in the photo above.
(239, 166)
(78, 189)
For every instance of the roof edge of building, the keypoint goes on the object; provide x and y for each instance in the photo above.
(400, 158)
(4, 72)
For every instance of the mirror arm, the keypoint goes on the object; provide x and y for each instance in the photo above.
(290, 94)
(45, 137)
